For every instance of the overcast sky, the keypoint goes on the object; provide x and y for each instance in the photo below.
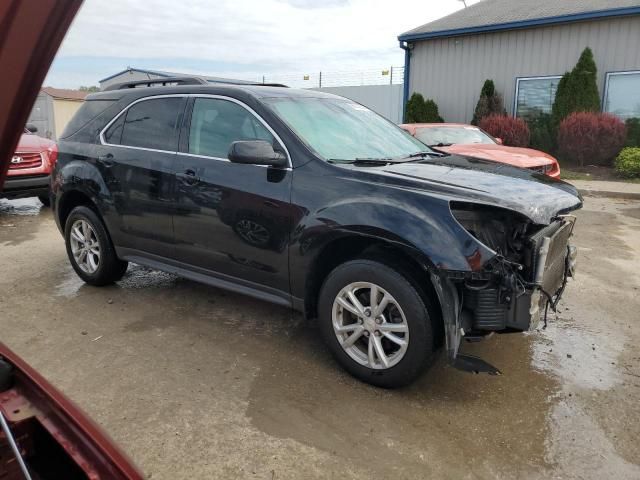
(238, 38)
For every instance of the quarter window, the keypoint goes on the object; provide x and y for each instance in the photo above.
(535, 96)
(114, 132)
(622, 94)
(216, 123)
(151, 124)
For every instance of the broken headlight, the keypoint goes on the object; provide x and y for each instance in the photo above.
(499, 229)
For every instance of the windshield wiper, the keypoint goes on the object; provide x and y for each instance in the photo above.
(365, 161)
(421, 155)
(441, 144)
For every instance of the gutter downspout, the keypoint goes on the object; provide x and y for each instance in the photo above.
(407, 69)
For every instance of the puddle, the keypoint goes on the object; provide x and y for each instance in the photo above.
(70, 284)
(579, 357)
(21, 219)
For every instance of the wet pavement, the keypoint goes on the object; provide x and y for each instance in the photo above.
(195, 382)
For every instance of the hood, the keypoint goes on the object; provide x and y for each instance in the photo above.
(535, 195)
(32, 143)
(519, 157)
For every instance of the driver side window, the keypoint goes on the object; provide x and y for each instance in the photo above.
(216, 123)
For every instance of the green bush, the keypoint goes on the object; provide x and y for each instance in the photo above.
(627, 163)
(490, 102)
(415, 109)
(633, 132)
(543, 133)
(432, 114)
(577, 90)
(420, 110)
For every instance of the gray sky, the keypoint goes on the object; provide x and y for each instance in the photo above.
(238, 38)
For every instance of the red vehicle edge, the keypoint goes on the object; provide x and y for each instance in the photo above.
(56, 439)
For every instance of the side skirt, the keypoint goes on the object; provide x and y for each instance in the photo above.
(214, 279)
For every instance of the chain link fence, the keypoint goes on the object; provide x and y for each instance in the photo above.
(339, 78)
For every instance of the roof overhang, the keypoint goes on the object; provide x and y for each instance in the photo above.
(141, 70)
(536, 22)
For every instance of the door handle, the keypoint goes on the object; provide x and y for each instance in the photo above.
(106, 160)
(188, 177)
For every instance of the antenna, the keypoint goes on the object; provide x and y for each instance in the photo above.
(464, 2)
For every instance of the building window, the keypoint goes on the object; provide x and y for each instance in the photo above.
(535, 95)
(622, 94)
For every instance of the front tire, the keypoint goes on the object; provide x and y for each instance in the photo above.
(375, 323)
(90, 250)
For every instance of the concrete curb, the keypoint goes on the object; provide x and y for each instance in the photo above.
(605, 194)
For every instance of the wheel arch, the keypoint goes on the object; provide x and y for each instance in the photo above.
(70, 200)
(408, 261)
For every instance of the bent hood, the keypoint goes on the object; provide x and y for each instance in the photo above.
(534, 195)
(519, 157)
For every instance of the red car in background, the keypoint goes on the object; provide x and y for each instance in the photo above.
(462, 139)
(30, 168)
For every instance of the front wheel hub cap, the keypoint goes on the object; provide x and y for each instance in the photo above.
(370, 325)
(85, 246)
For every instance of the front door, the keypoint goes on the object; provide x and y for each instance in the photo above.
(138, 160)
(232, 219)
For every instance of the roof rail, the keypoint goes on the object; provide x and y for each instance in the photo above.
(165, 81)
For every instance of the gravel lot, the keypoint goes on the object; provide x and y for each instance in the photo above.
(194, 382)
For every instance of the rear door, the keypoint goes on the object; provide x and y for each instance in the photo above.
(232, 219)
(137, 160)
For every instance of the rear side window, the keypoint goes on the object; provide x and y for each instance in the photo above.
(89, 110)
(215, 124)
(151, 124)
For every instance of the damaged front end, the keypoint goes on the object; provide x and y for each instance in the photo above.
(513, 290)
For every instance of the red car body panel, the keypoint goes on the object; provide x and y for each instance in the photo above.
(34, 399)
(516, 156)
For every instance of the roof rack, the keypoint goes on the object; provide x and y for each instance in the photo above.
(158, 82)
(172, 81)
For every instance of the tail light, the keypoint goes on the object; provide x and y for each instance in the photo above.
(52, 154)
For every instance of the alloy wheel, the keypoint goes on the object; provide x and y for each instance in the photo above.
(370, 325)
(85, 246)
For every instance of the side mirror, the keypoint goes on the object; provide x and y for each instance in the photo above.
(256, 152)
(32, 128)
(498, 140)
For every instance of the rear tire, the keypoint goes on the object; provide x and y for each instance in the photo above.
(398, 332)
(90, 250)
(44, 199)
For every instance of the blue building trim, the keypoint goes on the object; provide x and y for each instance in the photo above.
(536, 22)
(405, 84)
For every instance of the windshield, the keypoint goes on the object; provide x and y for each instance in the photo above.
(462, 134)
(339, 129)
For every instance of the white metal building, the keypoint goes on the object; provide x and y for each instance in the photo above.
(525, 46)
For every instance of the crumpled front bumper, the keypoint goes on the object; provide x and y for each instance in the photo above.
(538, 286)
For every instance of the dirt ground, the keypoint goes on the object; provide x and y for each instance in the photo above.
(194, 382)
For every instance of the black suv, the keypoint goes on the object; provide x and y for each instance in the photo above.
(313, 201)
